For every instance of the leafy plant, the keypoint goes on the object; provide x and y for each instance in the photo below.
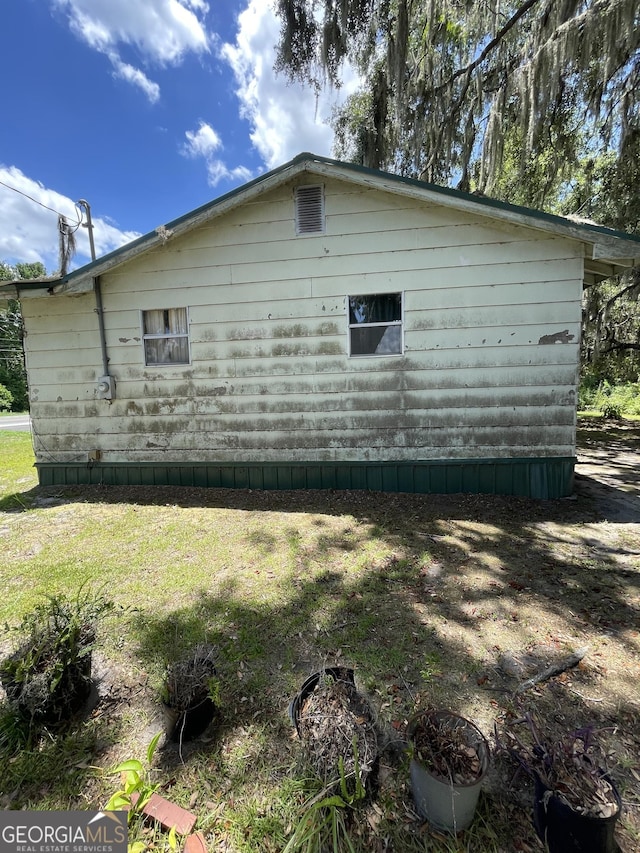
(611, 412)
(324, 825)
(135, 792)
(136, 788)
(6, 399)
(49, 675)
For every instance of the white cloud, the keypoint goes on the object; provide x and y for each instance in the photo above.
(217, 171)
(205, 142)
(286, 118)
(201, 142)
(29, 232)
(135, 76)
(162, 31)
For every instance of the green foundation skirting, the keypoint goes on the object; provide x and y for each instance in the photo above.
(535, 478)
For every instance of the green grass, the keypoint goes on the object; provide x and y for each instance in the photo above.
(17, 474)
(280, 584)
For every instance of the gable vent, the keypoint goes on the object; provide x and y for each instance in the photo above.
(309, 210)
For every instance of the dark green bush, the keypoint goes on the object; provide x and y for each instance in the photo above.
(47, 678)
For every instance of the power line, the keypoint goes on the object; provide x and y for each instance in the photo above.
(57, 212)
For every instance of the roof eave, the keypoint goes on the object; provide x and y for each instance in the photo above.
(613, 250)
(16, 288)
(606, 244)
(81, 280)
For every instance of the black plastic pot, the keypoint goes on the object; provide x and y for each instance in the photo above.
(565, 830)
(337, 673)
(188, 724)
(369, 764)
(55, 705)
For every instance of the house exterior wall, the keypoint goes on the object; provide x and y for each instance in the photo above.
(489, 369)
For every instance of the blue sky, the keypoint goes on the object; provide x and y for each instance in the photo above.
(145, 108)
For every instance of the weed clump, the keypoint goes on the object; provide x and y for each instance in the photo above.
(47, 678)
(191, 694)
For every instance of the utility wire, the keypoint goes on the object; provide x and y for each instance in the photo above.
(57, 212)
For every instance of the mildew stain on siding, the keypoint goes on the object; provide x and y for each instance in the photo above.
(329, 348)
(251, 334)
(557, 338)
(295, 331)
(159, 426)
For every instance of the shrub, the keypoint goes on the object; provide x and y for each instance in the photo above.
(48, 677)
(611, 412)
(612, 400)
(6, 399)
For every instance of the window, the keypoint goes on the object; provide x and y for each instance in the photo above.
(375, 324)
(309, 203)
(166, 336)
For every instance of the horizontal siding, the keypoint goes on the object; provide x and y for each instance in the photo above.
(129, 350)
(271, 445)
(466, 241)
(346, 425)
(535, 381)
(433, 369)
(243, 400)
(269, 376)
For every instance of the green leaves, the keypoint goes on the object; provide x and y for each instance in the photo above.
(444, 83)
(323, 820)
(152, 747)
(136, 788)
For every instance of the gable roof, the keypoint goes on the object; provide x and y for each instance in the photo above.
(607, 252)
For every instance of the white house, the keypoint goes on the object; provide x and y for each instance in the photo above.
(323, 326)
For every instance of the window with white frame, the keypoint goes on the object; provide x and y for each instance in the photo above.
(165, 333)
(375, 324)
(309, 205)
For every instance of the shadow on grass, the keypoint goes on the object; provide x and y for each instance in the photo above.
(376, 624)
(416, 622)
(20, 501)
(52, 773)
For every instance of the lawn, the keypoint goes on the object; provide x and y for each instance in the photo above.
(435, 601)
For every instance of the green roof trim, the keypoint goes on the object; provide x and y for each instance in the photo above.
(487, 201)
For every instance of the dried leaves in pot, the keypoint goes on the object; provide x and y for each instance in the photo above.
(570, 766)
(337, 728)
(448, 746)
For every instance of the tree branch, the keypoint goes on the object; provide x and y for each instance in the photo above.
(616, 347)
(495, 41)
(555, 669)
(620, 294)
